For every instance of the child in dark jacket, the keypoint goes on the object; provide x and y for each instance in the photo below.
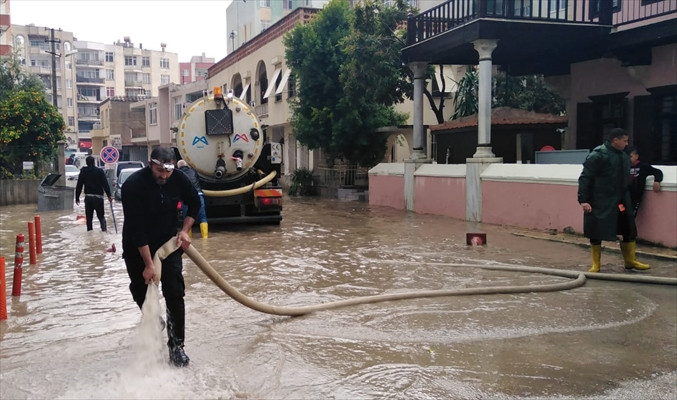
(639, 171)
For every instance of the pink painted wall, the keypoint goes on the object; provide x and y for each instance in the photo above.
(657, 217)
(387, 190)
(520, 195)
(439, 196)
(532, 205)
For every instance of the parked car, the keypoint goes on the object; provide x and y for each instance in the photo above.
(72, 173)
(124, 174)
(121, 165)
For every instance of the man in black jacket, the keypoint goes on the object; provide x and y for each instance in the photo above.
(95, 183)
(149, 202)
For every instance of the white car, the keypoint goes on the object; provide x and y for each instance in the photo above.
(72, 173)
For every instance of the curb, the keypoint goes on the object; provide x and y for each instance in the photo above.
(605, 248)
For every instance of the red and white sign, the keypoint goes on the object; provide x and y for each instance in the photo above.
(109, 154)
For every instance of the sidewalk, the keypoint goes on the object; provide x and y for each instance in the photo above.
(643, 249)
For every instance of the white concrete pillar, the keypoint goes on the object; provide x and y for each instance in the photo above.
(484, 47)
(419, 150)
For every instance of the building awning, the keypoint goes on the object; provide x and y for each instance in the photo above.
(271, 83)
(244, 92)
(283, 82)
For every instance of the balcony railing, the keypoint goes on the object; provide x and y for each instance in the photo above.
(83, 79)
(89, 62)
(342, 176)
(456, 13)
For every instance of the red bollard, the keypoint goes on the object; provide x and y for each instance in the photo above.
(18, 261)
(31, 243)
(3, 290)
(38, 235)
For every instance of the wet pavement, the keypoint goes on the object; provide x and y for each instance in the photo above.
(75, 332)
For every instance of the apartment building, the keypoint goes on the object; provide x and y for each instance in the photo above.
(87, 73)
(48, 54)
(121, 69)
(5, 29)
(196, 69)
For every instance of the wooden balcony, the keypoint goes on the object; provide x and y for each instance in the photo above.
(539, 36)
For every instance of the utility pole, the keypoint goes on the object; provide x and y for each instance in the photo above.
(53, 53)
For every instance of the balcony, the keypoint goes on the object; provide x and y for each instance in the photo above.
(88, 62)
(82, 79)
(539, 36)
(133, 84)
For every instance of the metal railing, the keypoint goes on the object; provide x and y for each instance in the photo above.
(342, 176)
(456, 13)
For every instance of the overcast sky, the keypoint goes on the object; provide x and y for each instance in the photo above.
(189, 28)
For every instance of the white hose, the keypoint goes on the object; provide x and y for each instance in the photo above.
(580, 277)
(241, 190)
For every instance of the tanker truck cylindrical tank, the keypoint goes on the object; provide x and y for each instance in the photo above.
(220, 139)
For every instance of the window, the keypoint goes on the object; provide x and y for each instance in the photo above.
(70, 102)
(595, 4)
(146, 78)
(71, 121)
(178, 108)
(264, 3)
(291, 86)
(69, 83)
(152, 113)
(110, 74)
(109, 56)
(287, 5)
(110, 91)
(19, 41)
(145, 61)
(164, 63)
(164, 79)
(130, 60)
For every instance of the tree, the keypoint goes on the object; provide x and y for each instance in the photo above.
(350, 75)
(466, 101)
(523, 92)
(526, 93)
(29, 126)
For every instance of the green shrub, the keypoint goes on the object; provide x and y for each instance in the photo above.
(302, 183)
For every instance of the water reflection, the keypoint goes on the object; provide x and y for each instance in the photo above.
(76, 324)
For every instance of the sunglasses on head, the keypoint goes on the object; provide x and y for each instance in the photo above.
(166, 166)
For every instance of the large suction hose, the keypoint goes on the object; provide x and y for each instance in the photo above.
(241, 190)
(580, 277)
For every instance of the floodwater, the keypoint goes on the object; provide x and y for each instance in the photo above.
(75, 333)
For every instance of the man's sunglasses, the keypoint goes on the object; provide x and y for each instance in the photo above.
(165, 166)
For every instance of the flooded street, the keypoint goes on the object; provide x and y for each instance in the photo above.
(74, 333)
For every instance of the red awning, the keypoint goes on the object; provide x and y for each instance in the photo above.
(85, 144)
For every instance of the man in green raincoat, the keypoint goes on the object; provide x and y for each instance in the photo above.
(603, 193)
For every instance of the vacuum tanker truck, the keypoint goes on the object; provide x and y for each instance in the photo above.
(221, 138)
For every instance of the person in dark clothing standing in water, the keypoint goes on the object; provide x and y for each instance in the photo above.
(149, 203)
(182, 166)
(639, 171)
(604, 196)
(95, 183)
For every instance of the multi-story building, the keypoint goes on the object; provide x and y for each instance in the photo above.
(87, 73)
(120, 69)
(246, 19)
(5, 29)
(48, 53)
(196, 69)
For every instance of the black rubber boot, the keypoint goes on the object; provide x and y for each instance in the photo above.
(177, 355)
